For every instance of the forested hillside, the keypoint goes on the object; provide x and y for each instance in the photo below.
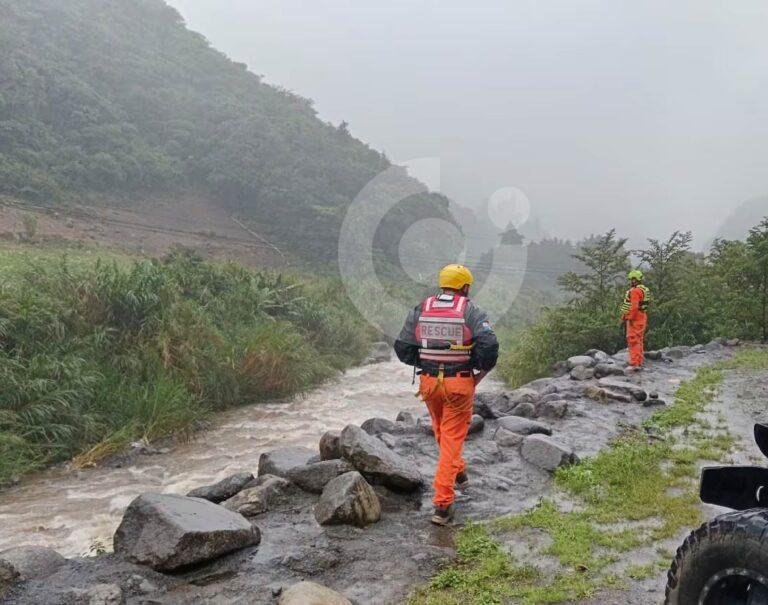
(116, 100)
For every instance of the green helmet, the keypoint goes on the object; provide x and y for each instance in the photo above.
(635, 274)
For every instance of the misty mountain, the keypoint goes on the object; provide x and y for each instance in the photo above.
(737, 224)
(116, 100)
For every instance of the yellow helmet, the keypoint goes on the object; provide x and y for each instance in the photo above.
(455, 277)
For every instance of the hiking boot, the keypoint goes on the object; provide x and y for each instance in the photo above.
(443, 516)
(462, 481)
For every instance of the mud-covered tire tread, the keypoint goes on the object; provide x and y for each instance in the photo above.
(748, 526)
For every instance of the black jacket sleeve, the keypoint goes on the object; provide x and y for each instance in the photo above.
(406, 347)
(485, 352)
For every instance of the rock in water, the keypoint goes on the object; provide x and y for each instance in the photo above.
(524, 426)
(167, 532)
(329, 446)
(314, 477)
(581, 360)
(374, 459)
(546, 453)
(348, 500)
(279, 462)
(224, 489)
(27, 563)
(309, 593)
(259, 498)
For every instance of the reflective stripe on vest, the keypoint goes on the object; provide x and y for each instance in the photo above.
(442, 332)
(627, 304)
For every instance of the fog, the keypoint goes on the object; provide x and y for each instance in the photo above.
(647, 116)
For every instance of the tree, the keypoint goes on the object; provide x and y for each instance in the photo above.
(757, 247)
(606, 261)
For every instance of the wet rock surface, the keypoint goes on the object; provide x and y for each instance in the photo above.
(224, 489)
(348, 500)
(281, 462)
(167, 532)
(382, 562)
(27, 563)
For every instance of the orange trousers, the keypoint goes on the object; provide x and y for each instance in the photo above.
(636, 338)
(450, 406)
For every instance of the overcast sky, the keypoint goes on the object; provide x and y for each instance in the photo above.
(646, 116)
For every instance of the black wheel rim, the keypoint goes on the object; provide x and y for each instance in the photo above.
(735, 586)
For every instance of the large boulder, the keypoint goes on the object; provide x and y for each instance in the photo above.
(546, 453)
(281, 461)
(224, 489)
(27, 563)
(524, 426)
(348, 500)
(329, 446)
(622, 386)
(314, 477)
(268, 491)
(376, 461)
(167, 532)
(309, 593)
(581, 360)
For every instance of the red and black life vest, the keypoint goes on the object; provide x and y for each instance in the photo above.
(442, 332)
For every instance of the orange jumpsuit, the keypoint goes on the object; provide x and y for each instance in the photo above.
(637, 322)
(450, 406)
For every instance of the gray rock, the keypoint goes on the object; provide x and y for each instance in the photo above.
(348, 500)
(546, 453)
(524, 426)
(698, 349)
(377, 426)
(281, 461)
(676, 352)
(314, 477)
(309, 593)
(330, 449)
(476, 425)
(547, 390)
(507, 438)
(483, 452)
(550, 397)
(484, 405)
(553, 409)
(650, 402)
(608, 369)
(389, 440)
(27, 563)
(623, 386)
(373, 459)
(582, 373)
(622, 357)
(269, 491)
(598, 355)
(581, 360)
(380, 352)
(524, 410)
(654, 355)
(167, 532)
(733, 342)
(224, 489)
(406, 418)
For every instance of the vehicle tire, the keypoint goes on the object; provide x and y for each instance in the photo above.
(724, 562)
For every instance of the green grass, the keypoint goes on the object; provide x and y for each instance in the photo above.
(97, 350)
(640, 490)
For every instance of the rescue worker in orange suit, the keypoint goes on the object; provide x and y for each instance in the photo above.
(635, 317)
(449, 339)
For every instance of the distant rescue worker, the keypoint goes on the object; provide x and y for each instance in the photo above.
(634, 314)
(449, 339)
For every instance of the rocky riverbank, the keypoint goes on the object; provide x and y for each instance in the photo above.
(353, 515)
